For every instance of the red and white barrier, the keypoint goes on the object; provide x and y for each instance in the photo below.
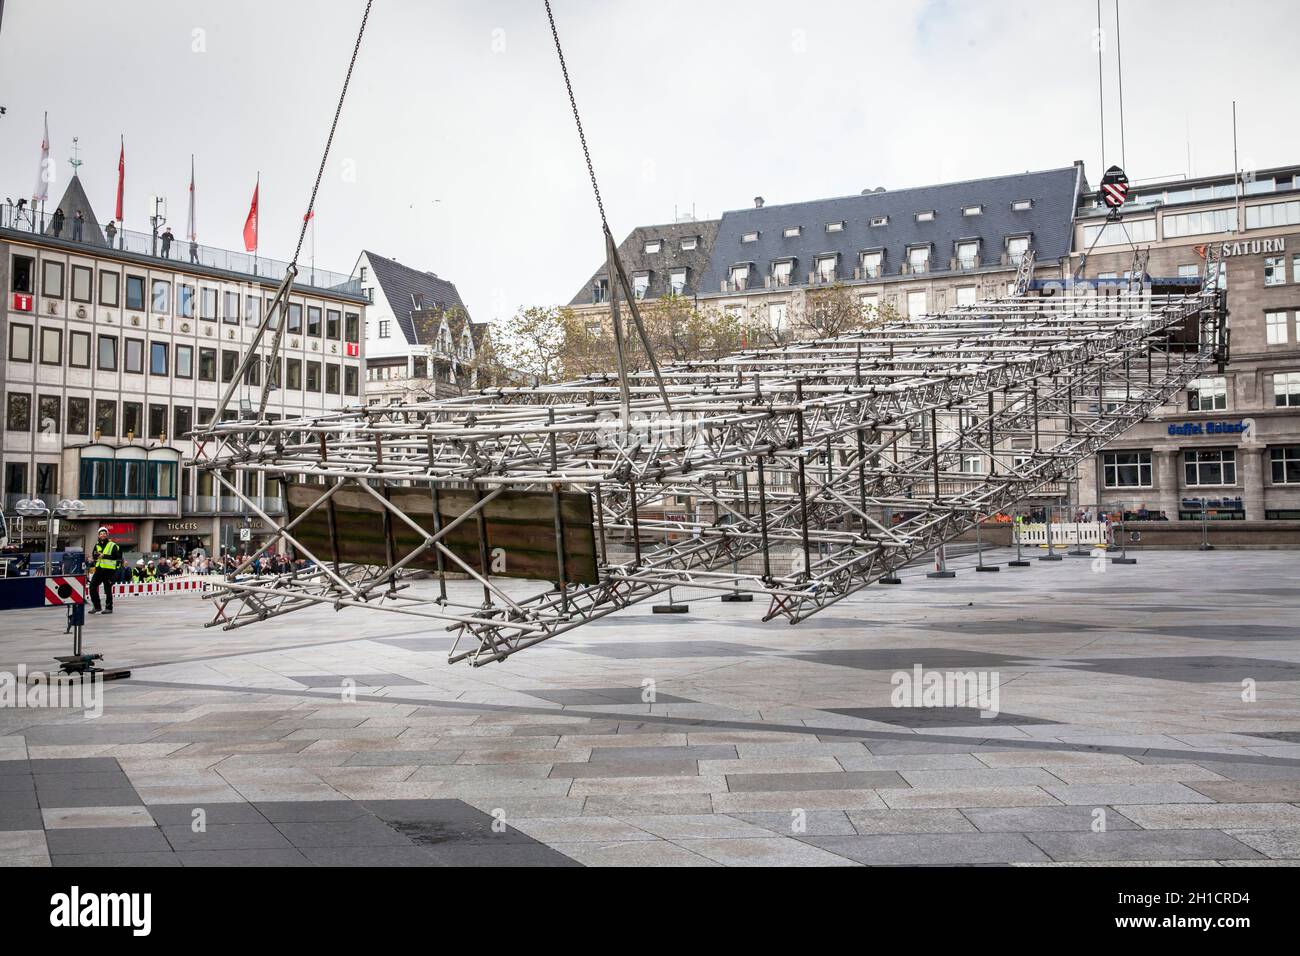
(154, 588)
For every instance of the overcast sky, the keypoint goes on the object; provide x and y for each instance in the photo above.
(456, 150)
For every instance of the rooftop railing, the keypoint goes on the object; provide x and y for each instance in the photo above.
(178, 252)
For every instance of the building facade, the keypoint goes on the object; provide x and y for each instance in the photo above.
(666, 259)
(1230, 444)
(420, 340)
(112, 354)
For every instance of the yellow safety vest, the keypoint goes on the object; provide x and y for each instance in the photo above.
(107, 556)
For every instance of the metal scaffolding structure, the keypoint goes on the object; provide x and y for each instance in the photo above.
(806, 471)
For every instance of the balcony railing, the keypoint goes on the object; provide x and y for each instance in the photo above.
(735, 285)
(823, 277)
(179, 252)
(777, 280)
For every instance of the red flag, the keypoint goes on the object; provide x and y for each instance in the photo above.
(250, 224)
(121, 179)
(308, 217)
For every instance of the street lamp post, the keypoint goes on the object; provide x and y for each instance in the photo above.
(37, 508)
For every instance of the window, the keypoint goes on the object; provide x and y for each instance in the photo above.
(135, 292)
(96, 478)
(1196, 223)
(313, 376)
(1017, 246)
(749, 237)
(1113, 234)
(207, 365)
(781, 270)
(82, 283)
(352, 327)
(18, 412)
(791, 232)
(52, 279)
(162, 479)
(871, 264)
(689, 244)
(132, 419)
(79, 416)
(129, 480)
(1286, 465)
(107, 355)
(105, 418)
(1211, 466)
(1126, 469)
(51, 346)
(677, 281)
(869, 304)
(1207, 394)
(185, 301)
(79, 350)
(965, 295)
(880, 220)
(108, 288)
(652, 246)
(918, 259)
(293, 373)
(1022, 205)
(363, 274)
(332, 378)
(915, 305)
(968, 254)
(20, 343)
(385, 328)
(1295, 268)
(313, 320)
(16, 478)
(332, 324)
(133, 358)
(776, 316)
(158, 358)
(926, 216)
(972, 210)
(1189, 272)
(157, 421)
(252, 309)
(49, 414)
(1275, 328)
(208, 304)
(229, 364)
(1273, 214)
(182, 421)
(739, 277)
(184, 361)
(24, 273)
(837, 226)
(826, 268)
(206, 415)
(230, 308)
(1286, 389)
(162, 297)
(1274, 270)
(640, 284)
(47, 481)
(349, 380)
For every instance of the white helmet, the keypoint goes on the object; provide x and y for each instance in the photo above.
(139, 563)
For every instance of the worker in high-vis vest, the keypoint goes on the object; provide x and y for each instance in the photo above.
(106, 559)
(137, 572)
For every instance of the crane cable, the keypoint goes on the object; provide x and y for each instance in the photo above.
(582, 137)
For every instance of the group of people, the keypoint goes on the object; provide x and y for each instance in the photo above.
(165, 238)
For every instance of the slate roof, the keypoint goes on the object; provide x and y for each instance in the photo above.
(1049, 222)
(409, 290)
(660, 264)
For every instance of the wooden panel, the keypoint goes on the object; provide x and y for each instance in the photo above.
(520, 530)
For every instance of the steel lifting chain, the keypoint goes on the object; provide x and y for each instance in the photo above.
(582, 137)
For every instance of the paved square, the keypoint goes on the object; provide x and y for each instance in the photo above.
(1147, 714)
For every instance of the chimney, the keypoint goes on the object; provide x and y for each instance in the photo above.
(758, 202)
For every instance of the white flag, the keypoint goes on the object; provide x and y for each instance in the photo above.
(45, 172)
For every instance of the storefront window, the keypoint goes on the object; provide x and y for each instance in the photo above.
(1211, 466)
(1286, 465)
(1127, 469)
(96, 478)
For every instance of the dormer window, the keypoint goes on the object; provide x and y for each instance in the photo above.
(1022, 205)
(677, 281)
(738, 278)
(835, 226)
(688, 244)
(925, 215)
(826, 267)
(880, 220)
(1017, 246)
(640, 284)
(749, 237)
(600, 291)
(652, 246)
(968, 254)
(918, 259)
(791, 232)
(781, 270)
(972, 210)
(869, 264)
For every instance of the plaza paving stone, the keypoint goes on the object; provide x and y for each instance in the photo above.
(1120, 699)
